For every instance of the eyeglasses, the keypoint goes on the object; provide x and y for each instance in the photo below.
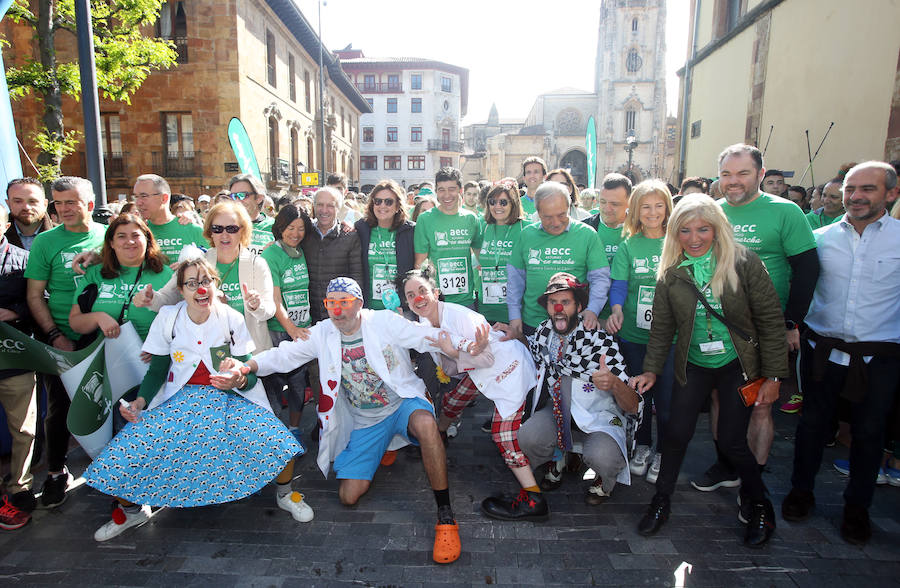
(332, 303)
(500, 201)
(384, 201)
(142, 195)
(241, 195)
(192, 284)
(230, 229)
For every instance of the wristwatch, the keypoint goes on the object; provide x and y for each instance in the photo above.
(775, 379)
(790, 325)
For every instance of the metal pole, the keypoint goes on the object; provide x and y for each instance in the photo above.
(91, 107)
(686, 102)
(321, 104)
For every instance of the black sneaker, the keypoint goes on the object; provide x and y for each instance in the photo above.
(656, 516)
(761, 524)
(486, 425)
(526, 506)
(24, 500)
(716, 477)
(53, 492)
(744, 511)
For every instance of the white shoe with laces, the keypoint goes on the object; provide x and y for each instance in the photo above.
(122, 520)
(294, 504)
(639, 461)
(653, 472)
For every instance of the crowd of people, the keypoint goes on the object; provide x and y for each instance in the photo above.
(585, 316)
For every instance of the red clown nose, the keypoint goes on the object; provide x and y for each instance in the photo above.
(201, 290)
(337, 311)
(418, 299)
(557, 308)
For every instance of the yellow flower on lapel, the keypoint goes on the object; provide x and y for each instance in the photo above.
(441, 376)
(178, 356)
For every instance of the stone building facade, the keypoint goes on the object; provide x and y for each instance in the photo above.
(252, 59)
(629, 99)
(413, 128)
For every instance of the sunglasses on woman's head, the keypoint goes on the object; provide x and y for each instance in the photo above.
(230, 229)
(384, 201)
(500, 201)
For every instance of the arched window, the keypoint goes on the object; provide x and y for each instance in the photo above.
(273, 147)
(343, 163)
(634, 25)
(633, 62)
(172, 25)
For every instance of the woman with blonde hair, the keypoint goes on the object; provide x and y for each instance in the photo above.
(633, 274)
(718, 297)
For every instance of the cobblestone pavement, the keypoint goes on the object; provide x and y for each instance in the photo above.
(386, 540)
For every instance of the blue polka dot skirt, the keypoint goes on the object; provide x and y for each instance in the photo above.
(202, 446)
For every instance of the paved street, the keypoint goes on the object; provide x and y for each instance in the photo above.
(387, 539)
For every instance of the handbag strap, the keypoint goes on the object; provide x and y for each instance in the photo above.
(741, 333)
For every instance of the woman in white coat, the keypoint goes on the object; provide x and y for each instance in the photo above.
(504, 373)
(209, 435)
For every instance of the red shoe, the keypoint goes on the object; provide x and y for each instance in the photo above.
(11, 518)
(389, 458)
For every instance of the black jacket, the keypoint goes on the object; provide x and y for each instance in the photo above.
(13, 235)
(12, 290)
(335, 255)
(405, 252)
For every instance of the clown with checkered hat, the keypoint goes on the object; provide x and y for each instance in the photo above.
(582, 401)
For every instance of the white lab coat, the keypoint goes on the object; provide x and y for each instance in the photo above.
(387, 338)
(193, 343)
(512, 374)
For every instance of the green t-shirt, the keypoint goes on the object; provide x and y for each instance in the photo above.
(817, 221)
(261, 234)
(448, 241)
(382, 265)
(231, 284)
(113, 293)
(611, 238)
(528, 206)
(496, 250)
(636, 261)
(50, 260)
(173, 236)
(291, 275)
(709, 331)
(576, 251)
(774, 228)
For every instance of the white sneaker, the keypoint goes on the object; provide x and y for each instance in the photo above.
(639, 462)
(653, 472)
(294, 504)
(132, 519)
(453, 429)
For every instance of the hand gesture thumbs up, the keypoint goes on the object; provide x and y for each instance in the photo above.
(603, 379)
(143, 297)
(251, 297)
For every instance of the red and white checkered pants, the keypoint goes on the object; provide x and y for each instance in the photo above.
(504, 432)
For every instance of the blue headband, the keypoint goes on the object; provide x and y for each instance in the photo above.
(347, 285)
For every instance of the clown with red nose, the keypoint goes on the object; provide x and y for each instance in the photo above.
(371, 401)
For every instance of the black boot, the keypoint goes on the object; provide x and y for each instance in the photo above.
(656, 517)
(527, 506)
(761, 525)
(856, 528)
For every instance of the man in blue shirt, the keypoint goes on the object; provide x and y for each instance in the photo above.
(852, 347)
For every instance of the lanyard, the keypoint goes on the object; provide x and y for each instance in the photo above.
(709, 333)
(497, 255)
(378, 237)
(228, 271)
(130, 294)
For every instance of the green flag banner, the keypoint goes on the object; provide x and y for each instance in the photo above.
(590, 144)
(93, 389)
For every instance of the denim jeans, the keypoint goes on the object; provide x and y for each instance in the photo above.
(660, 394)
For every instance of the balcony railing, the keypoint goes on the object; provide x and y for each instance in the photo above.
(380, 87)
(441, 145)
(181, 46)
(177, 164)
(114, 164)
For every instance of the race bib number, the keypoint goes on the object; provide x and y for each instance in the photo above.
(644, 315)
(454, 275)
(297, 306)
(493, 286)
(382, 279)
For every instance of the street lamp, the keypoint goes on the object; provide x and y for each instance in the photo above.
(630, 145)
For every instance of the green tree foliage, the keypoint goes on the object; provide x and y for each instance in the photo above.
(125, 55)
